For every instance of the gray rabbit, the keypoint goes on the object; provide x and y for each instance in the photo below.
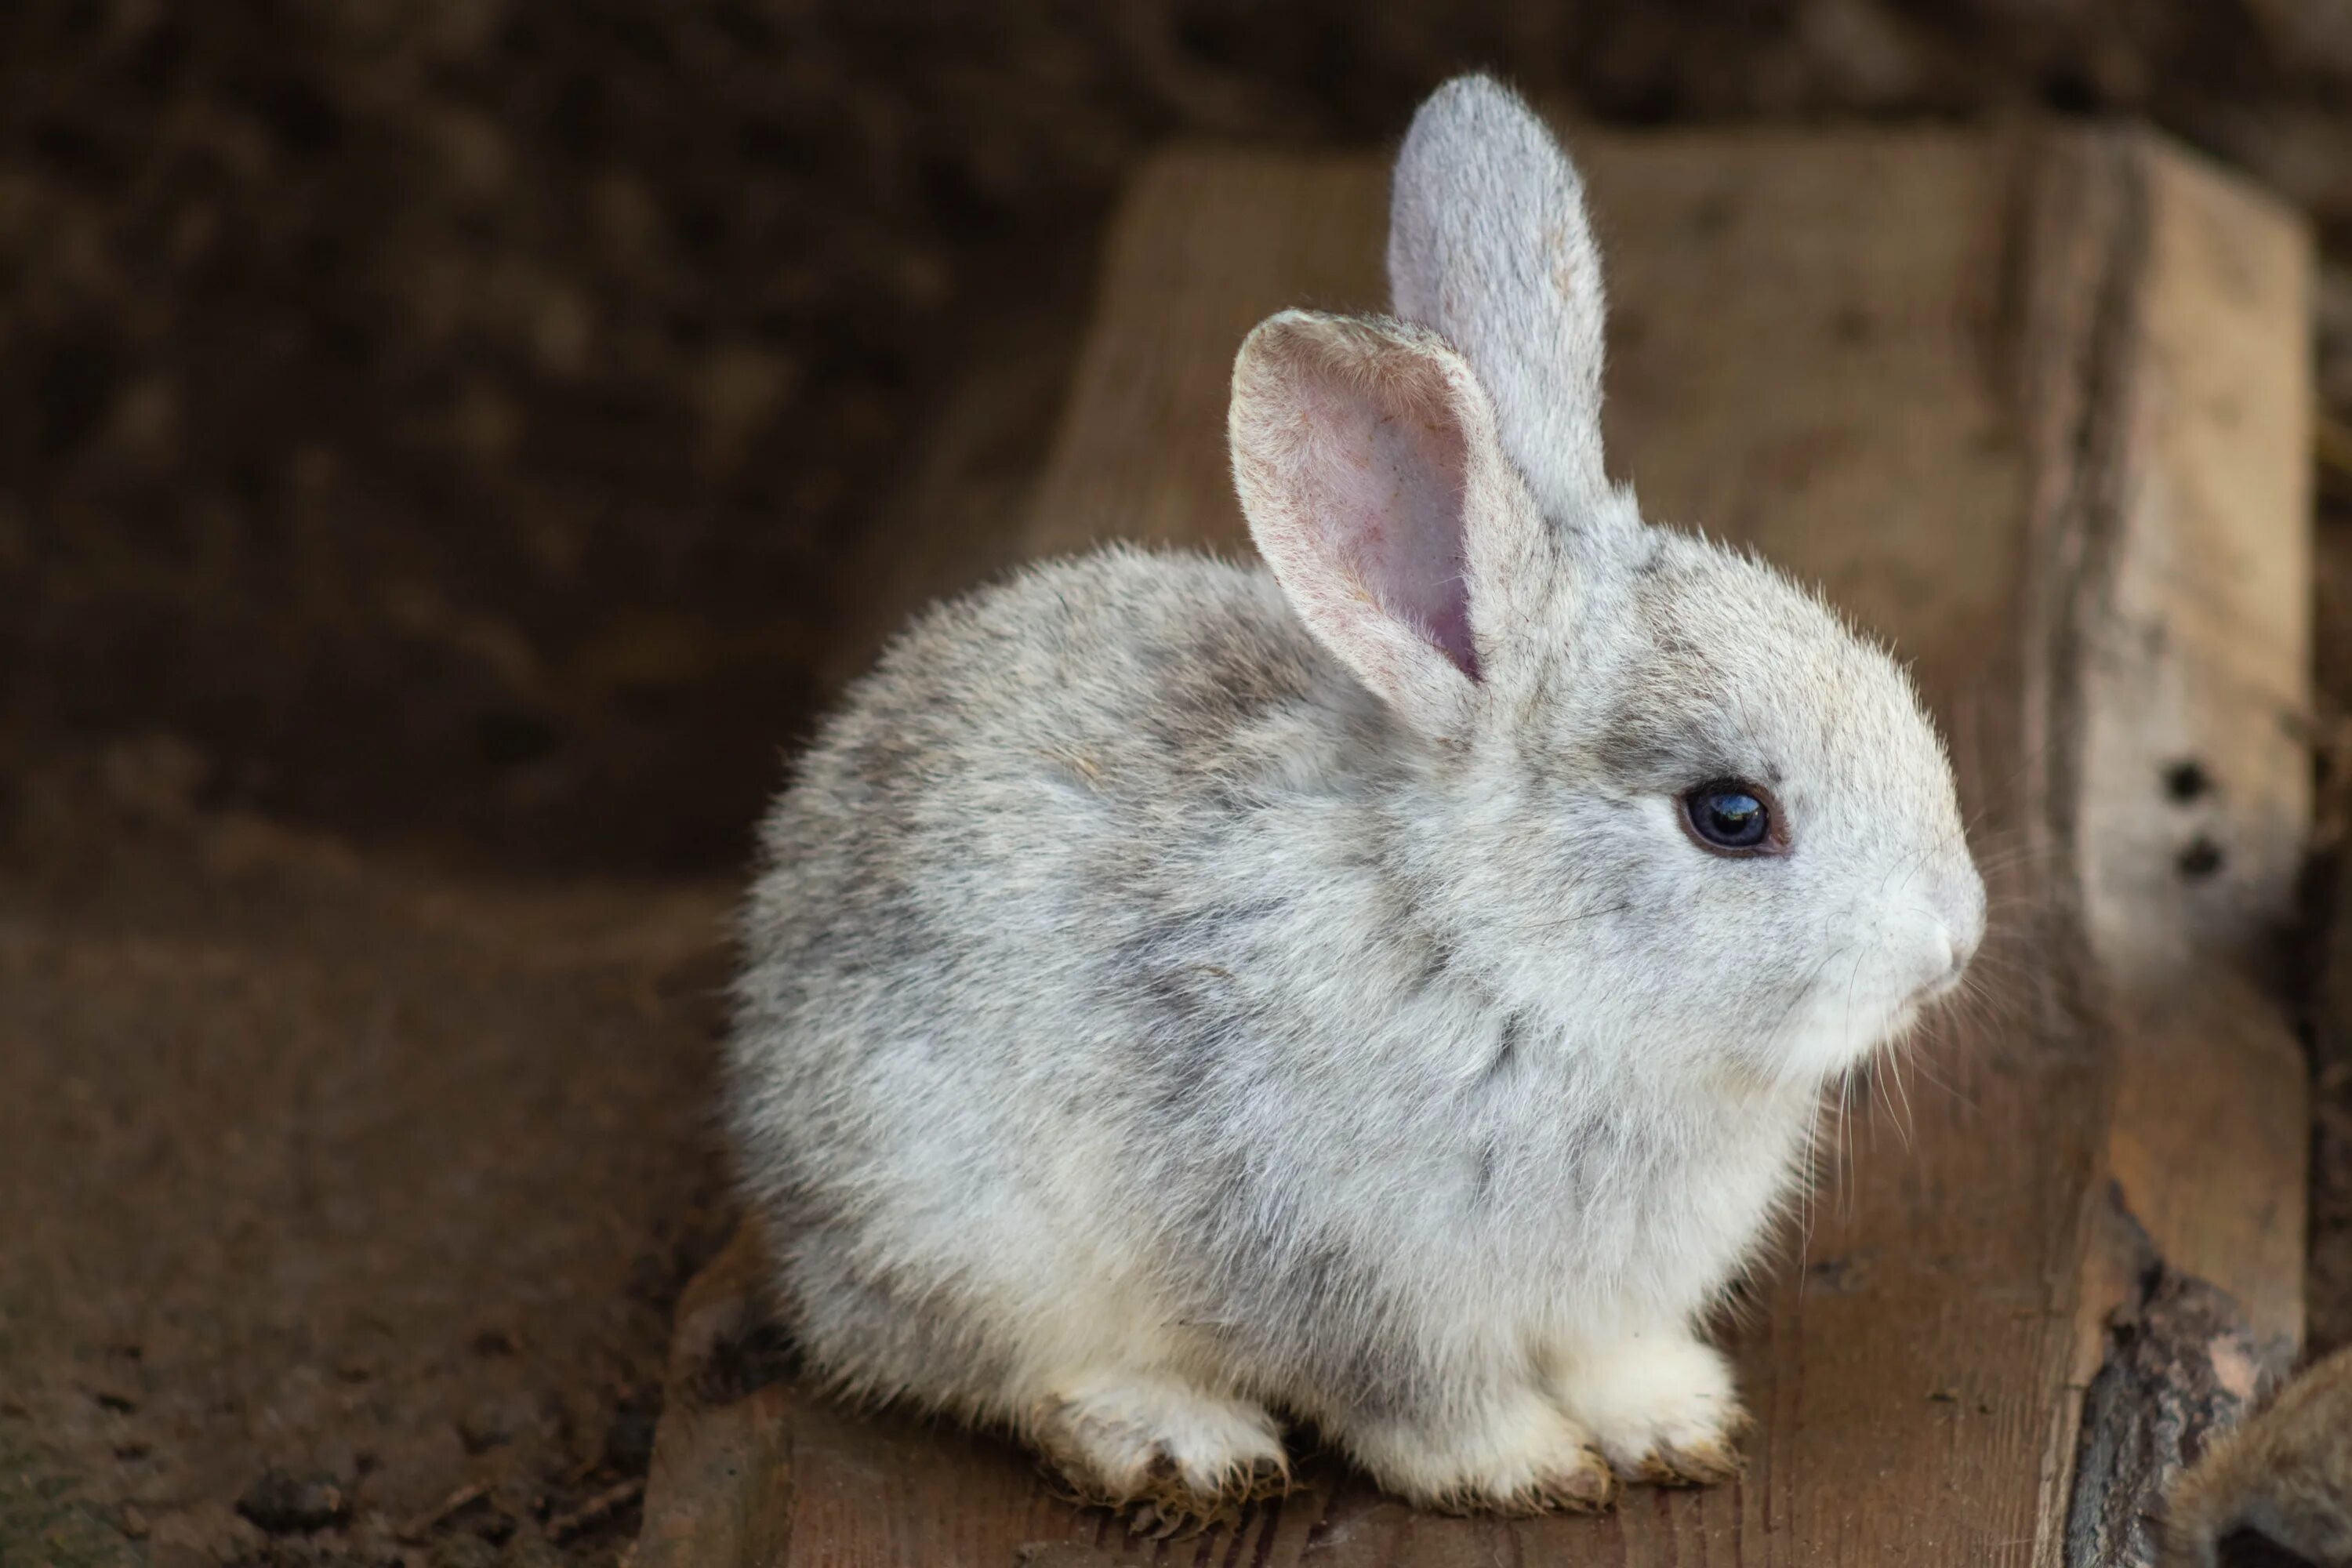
(1392, 987)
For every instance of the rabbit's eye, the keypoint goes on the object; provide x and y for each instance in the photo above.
(1732, 817)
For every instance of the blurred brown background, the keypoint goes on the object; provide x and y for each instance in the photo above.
(446, 415)
(436, 441)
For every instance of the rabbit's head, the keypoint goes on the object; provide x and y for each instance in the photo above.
(1662, 789)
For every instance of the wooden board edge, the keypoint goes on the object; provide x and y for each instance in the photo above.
(2186, 802)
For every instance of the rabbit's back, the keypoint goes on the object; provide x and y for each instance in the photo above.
(1016, 775)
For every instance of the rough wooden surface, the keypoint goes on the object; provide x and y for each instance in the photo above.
(2033, 407)
(2180, 1363)
(2192, 640)
(2179, 695)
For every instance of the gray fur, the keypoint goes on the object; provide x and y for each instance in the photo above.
(1156, 978)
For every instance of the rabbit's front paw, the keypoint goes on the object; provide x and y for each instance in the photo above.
(1176, 1453)
(1515, 1454)
(1662, 1408)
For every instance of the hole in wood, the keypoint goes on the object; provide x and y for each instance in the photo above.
(2186, 780)
(2199, 858)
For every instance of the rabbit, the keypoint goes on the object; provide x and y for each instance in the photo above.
(2284, 1476)
(1389, 988)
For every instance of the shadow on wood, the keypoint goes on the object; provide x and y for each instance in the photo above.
(2034, 408)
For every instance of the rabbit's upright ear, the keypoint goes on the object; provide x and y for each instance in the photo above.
(1369, 467)
(1489, 247)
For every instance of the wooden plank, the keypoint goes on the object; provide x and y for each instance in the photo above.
(2184, 659)
(2196, 706)
(2033, 407)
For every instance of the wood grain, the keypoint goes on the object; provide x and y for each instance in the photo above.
(2034, 408)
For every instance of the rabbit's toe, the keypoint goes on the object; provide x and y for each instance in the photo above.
(1702, 1464)
(1517, 1455)
(1662, 1409)
(1178, 1455)
(1561, 1482)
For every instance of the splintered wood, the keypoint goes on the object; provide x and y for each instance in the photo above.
(2033, 407)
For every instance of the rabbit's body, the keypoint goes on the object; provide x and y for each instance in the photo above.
(1368, 1191)
(1180, 989)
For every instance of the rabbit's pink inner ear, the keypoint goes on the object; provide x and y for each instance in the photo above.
(1359, 447)
(1383, 492)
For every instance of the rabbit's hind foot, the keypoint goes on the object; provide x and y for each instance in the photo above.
(1513, 1452)
(1169, 1455)
(1661, 1407)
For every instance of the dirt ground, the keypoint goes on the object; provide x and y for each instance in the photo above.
(333, 1188)
(437, 443)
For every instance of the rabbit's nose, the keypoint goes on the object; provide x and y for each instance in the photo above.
(1962, 943)
(1959, 930)
(1964, 918)
(1945, 960)
(1941, 976)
